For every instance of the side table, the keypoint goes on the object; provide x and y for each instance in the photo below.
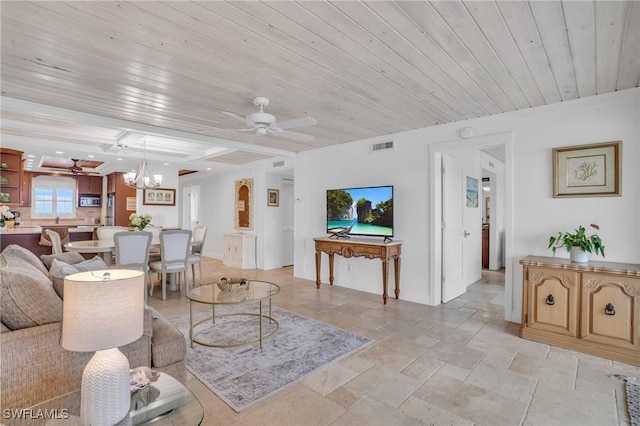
(168, 402)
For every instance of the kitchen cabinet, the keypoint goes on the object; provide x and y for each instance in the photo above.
(90, 185)
(111, 182)
(589, 307)
(117, 193)
(25, 190)
(240, 250)
(10, 177)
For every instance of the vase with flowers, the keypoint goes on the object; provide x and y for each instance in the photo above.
(6, 217)
(578, 243)
(140, 221)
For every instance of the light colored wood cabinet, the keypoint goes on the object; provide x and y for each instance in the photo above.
(611, 307)
(240, 250)
(592, 307)
(553, 300)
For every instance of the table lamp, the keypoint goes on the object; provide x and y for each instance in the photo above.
(103, 310)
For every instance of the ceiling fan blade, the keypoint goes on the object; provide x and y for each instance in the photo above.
(297, 122)
(238, 117)
(297, 137)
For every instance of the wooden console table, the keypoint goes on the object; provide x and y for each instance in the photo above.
(367, 249)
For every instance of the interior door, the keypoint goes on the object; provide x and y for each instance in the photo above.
(286, 202)
(191, 207)
(453, 199)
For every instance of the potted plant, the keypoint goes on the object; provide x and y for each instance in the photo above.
(578, 243)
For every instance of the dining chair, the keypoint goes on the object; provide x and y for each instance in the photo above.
(174, 255)
(56, 241)
(107, 232)
(45, 239)
(199, 234)
(132, 252)
(155, 232)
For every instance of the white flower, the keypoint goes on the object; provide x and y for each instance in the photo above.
(5, 212)
(140, 221)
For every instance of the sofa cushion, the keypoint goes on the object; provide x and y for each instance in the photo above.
(27, 298)
(3, 328)
(14, 250)
(70, 257)
(167, 344)
(60, 269)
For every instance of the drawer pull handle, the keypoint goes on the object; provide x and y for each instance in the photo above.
(550, 300)
(609, 309)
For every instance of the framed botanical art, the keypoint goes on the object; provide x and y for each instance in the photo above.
(159, 197)
(587, 170)
(273, 197)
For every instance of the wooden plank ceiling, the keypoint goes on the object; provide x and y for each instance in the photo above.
(361, 69)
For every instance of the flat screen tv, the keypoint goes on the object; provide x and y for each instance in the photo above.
(364, 211)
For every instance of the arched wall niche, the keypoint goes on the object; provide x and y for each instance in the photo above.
(244, 204)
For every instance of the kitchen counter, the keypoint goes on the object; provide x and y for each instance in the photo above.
(37, 229)
(28, 236)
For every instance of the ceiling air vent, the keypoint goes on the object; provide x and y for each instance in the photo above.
(278, 163)
(377, 147)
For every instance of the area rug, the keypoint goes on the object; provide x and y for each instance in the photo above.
(244, 375)
(632, 389)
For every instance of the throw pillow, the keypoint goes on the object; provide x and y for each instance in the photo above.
(27, 298)
(60, 269)
(70, 257)
(14, 250)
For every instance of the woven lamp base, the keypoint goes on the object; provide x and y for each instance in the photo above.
(105, 396)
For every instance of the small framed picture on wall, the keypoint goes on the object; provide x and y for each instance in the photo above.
(273, 197)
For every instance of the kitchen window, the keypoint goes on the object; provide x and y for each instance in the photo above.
(53, 197)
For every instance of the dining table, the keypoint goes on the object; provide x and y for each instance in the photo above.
(107, 247)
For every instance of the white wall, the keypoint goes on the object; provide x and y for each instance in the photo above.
(217, 203)
(165, 216)
(536, 214)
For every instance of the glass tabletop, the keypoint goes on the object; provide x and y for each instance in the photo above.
(164, 402)
(255, 290)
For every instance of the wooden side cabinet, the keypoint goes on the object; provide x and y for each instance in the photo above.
(240, 250)
(592, 307)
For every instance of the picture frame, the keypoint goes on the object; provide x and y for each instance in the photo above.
(159, 197)
(587, 170)
(472, 192)
(273, 197)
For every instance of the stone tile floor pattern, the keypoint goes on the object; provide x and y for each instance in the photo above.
(456, 364)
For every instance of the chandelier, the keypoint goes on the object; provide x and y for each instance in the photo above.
(142, 179)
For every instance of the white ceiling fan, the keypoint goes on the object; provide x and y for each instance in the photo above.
(265, 124)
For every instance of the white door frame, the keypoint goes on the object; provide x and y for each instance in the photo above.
(435, 212)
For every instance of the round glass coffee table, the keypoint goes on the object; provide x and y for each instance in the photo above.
(210, 294)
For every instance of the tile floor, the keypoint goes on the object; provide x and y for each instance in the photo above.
(456, 364)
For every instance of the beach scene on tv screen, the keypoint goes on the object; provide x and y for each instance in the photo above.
(361, 211)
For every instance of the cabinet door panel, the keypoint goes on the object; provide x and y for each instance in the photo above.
(553, 300)
(610, 309)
